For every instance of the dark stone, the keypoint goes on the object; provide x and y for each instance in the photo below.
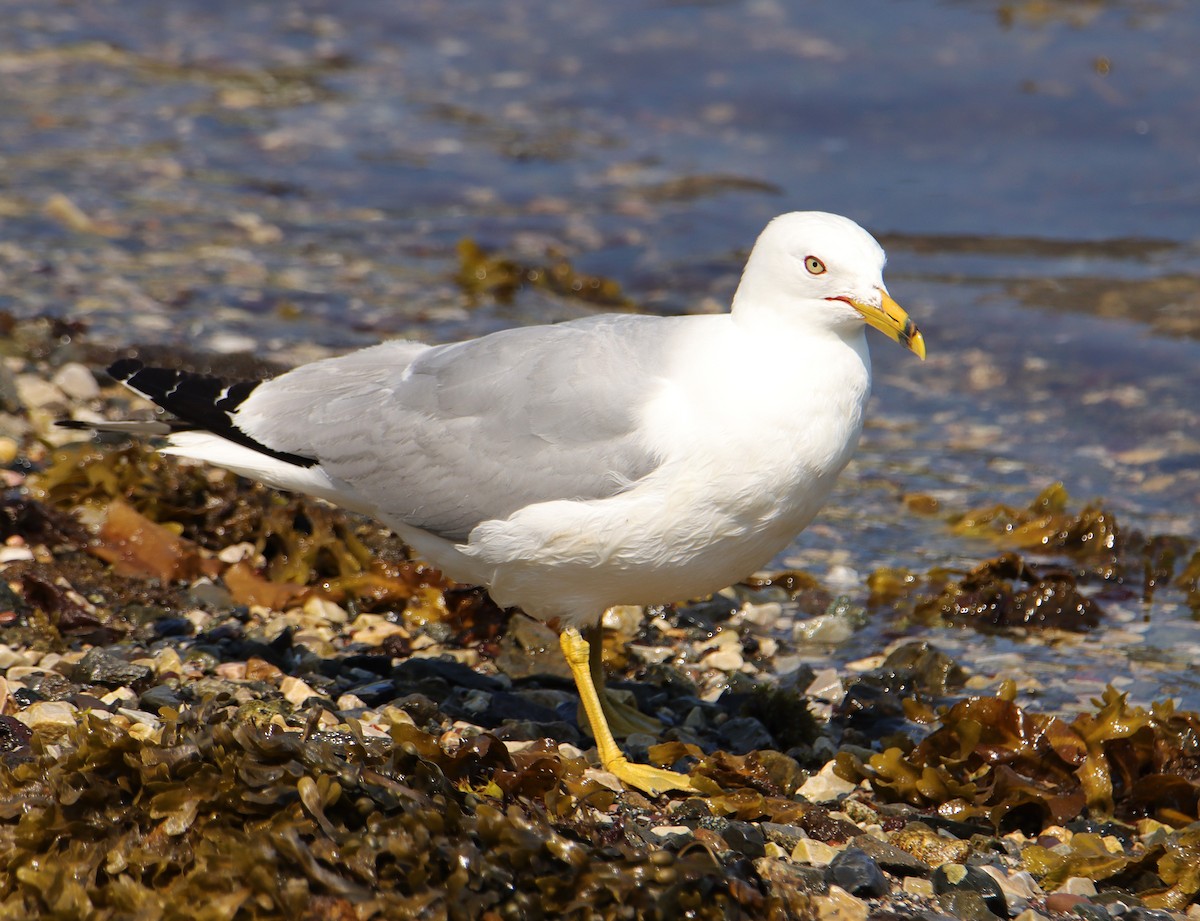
(379, 666)
(161, 695)
(1091, 912)
(786, 836)
(172, 626)
(435, 677)
(103, 668)
(1122, 833)
(1139, 913)
(14, 734)
(966, 905)
(744, 734)
(530, 731)
(490, 709)
(820, 825)
(891, 858)
(857, 872)
(418, 706)
(210, 596)
(375, 693)
(952, 878)
(51, 686)
(91, 702)
(793, 883)
(746, 839)
(26, 696)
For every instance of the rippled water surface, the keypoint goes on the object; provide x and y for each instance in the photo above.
(293, 178)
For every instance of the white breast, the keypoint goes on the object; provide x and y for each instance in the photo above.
(737, 484)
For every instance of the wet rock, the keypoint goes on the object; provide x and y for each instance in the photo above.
(436, 677)
(46, 714)
(51, 686)
(418, 706)
(745, 838)
(14, 734)
(375, 693)
(490, 709)
(76, 381)
(528, 730)
(744, 734)
(930, 847)
(103, 668)
(819, 824)
(890, 857)
(953, 878)
(161, 695)
(825, 786)
(1064, 902)
(171, 627)
(966, 905)
(1019, 888)
(795, 885)
(1079, 885)
(840, 905)
(858, 873)
(816, 853)
(786, 836)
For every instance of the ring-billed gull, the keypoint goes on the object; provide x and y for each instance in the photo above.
(618, 459)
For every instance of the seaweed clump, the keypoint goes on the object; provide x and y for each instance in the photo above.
(481, 273)
(171, 521)
(1085, 559)
(989, 757)
(991, 597)
(212, 817)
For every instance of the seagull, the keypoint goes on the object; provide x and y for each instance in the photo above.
(569, 468)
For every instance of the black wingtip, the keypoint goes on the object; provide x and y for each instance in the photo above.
(201, 401)
(124, 369)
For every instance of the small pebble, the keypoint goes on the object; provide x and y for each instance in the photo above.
(816, 853)
(76, 381)
(1063, 901)
(952, 878)
(295, 691)
(1079, 885)
(825, 786)
(858, 873)
(1030, 915)
(45, 713)
(918, 886)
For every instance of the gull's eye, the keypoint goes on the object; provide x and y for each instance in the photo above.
(814, 265)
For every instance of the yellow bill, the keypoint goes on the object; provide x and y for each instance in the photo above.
(891, 320)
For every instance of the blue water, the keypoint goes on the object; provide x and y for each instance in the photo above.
(988, 144)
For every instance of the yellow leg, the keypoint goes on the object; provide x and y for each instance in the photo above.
(642, 776)
(623, 719)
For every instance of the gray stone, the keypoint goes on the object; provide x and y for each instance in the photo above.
(745, 838)
(786, 836)
(161, 695)
(858, 873)
(953, 878)
(891, 858)
(101, 667)
(744, 734)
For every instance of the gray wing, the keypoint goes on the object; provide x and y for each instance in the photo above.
(446, 437)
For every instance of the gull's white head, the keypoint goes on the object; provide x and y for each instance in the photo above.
(823, 271)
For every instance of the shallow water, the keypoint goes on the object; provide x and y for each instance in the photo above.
(291, 178)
